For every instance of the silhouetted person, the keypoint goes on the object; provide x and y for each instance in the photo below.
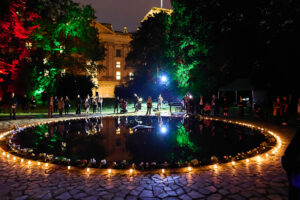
(61, 105)
(116, 105)
(50, 107)
(25, 103)
(55, 103)
(149, 106)
(12, 106)
(33, 103)
(67, 105)
(78, 105)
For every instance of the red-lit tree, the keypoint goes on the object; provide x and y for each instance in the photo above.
(15, 28)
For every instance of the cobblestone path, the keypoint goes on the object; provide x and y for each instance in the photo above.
(254, 180)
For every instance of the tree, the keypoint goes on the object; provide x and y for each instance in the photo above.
(147, 55)
(215, 42)
(15, 28)
(66, 40)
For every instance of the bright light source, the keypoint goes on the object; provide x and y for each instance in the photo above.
(39, 163)
(247, 160)
(215, 166)
(163, 78)
(162, 171)
(131, 170)
(69, 167)
(163, 129)
(190, 169)
(88, 169)
(109, 171)
(233, 163)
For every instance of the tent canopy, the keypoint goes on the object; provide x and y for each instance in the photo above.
(237, 85)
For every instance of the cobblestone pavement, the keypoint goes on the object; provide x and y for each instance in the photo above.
(264, 179)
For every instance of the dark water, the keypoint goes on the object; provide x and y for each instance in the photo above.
(139, 139)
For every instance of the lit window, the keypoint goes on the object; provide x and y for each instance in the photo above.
(118, 53)
(118, 64)
(118, 75)
(131, 75)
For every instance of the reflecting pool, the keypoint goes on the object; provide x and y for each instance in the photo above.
(144, 141)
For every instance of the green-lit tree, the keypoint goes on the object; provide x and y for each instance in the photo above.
(66, 40)
(215, 42)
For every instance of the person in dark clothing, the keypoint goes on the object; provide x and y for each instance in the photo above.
(116, 106)
(33, 103)
(50, 107)
(135, 101)
(94, 104)
(123, 106)
(225, 107)
(67, 105)
(201, 105)
(99, 102)
(291, 163)
(55, 103)
(78, 105)
(149, 106)
(213, 105)
(241, 107)
(284, 109)
(25, 103)
(12, 106)
(61, 105)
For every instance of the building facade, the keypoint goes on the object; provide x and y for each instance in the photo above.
(117, 44)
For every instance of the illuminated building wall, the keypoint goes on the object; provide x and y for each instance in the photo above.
(117, 47)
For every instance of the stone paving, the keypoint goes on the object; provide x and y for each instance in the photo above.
(265, 179)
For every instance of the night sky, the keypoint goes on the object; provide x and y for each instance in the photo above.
(122, 13)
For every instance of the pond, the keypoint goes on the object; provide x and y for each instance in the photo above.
(147, 141)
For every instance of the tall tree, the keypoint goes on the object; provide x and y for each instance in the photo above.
(148, 48)
(15, 28)
(67, 39)
(214, 42)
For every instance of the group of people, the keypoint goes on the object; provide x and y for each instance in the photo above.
(59, 105)
(122, 103)
(96, 103)
(205, 107)
(281, 110)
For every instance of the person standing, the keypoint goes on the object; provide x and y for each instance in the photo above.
(86, 105)
(201, 105)
(25, 103)
(50, 107)
(225, 107)
(277, 112)
(116, 106)
(159, 102)
(67, 105)
(99, 102)
(32, 103)
(94, 104)
(213, 105)
(135, 101)
(55, 102)
(61, 105)
(284, 108)
(78, 105)
(12, 106)
(241, 107)
(149, 106)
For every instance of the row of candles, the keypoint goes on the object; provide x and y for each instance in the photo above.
(163, 171)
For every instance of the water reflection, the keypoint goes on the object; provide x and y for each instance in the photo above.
(139, 139)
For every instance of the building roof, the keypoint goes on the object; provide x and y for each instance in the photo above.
(156, 10)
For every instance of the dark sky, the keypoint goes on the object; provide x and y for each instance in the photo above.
(122, 13)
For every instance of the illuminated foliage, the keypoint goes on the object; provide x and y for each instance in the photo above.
(66, 40)
(15, 28)
(183, 139)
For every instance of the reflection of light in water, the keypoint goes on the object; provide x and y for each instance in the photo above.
(163, 129)
(118, 131)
